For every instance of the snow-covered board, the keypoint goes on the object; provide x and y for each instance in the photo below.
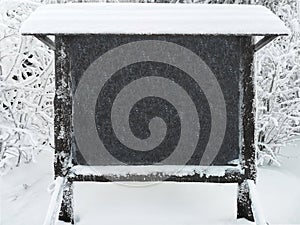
(143, 90)
(133, 18)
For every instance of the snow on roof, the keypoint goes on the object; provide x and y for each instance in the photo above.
(141, 18)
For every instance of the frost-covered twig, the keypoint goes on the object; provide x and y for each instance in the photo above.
(26, 88)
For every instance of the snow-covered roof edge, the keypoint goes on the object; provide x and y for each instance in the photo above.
(141, 18)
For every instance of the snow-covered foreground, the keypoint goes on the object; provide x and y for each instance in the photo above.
(24, 198)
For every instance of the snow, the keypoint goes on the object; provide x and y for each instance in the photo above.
(279, 188)
(159, 204)
(147, 170)
(24, 197)
(135, 18)
(56, 199)
(258, 213)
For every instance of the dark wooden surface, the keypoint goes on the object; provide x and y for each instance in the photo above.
(63, 123)
(62, 109)
(247, 134)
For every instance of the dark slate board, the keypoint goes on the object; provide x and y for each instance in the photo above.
(220, 53)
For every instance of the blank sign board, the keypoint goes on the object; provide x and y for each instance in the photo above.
(155, 100)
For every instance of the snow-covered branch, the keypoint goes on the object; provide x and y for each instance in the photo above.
(278, 82)
(26, 89)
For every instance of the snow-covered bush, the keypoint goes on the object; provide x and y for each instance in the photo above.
(26, 89)
(278, 85)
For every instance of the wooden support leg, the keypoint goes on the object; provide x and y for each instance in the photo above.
(247, 138)
(66, 210)
(244, 209)
(63, 123)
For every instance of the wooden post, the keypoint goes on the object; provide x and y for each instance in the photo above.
(247, 124)
(63, 123)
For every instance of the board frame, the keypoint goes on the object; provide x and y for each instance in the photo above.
(63, 166)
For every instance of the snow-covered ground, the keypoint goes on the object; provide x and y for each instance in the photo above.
(279, 188)
(24, 198)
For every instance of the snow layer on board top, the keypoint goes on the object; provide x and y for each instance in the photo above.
(167, 170)
(141, 18)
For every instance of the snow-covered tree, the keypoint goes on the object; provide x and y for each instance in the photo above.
(278, 85)
(26, 88)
